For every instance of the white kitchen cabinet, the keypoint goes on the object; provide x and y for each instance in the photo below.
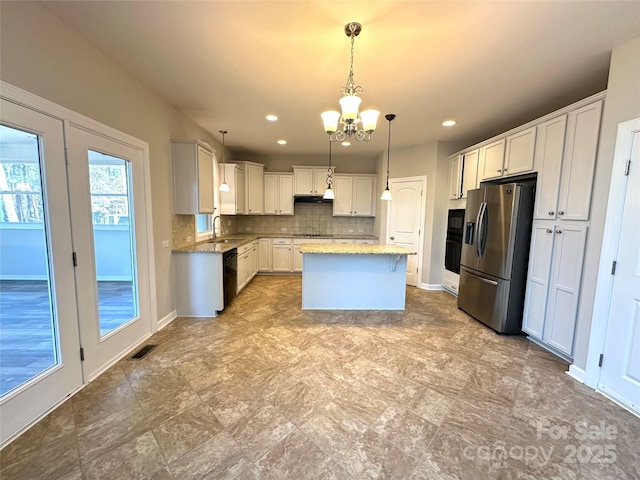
(264, 255)
(519, 152)
(343, 241)
(553, 284)
(192, 177)
(246, 187)
(254, 188)
(470, 171)
(281, 255)
(247, 263)
(492, 160)
(565, 159)
(310, 180)
(233, 201)
(354, 195)
(455, 177)
(548, 162)
(508, 156)
(278, 194)
(365, 241)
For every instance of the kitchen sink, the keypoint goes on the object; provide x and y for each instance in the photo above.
(226, 240)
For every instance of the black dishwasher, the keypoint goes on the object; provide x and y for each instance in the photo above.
(230, 275)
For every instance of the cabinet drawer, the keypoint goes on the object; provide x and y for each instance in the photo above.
(281, 241)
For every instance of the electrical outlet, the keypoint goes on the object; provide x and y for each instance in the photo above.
(283, 229)
(189, 238)
(165, 244)
(247, 229)
(351, 230)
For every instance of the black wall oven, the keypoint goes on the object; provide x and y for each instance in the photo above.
(453, 248)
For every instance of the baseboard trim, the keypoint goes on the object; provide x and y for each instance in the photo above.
(166, 320)
(576, 373)
(430, 286)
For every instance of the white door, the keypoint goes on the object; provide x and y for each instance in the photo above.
(39, 347)
(620, 374)
(108, 211)
(405, 217)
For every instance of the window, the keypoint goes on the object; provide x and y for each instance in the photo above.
(204, 229)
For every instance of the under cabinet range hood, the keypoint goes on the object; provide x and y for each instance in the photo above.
(311, 199)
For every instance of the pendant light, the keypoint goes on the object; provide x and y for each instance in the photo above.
(386, 195)
(328, 193)
(224, 186)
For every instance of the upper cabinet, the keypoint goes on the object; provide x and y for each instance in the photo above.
(565, 159)
(310, 180)
(470, 171)
(463, 174)
(354, 195)
(492, 160)
(455, 177)
(512, 155)
(278, 194)
(246, 187)
(192, 177)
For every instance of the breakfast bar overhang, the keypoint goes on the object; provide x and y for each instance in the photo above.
(354, 276)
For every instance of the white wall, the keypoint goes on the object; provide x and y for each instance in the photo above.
(622, 104)
(428, 160)
(44, 57)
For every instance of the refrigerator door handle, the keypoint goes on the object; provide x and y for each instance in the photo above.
(476, 241)
(485, 229)
(482, 279)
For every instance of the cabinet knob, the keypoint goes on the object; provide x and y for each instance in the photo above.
(499, 171)
(551, 212)
(560, 212)
(549, 230)
(558, 231)
(392, 238)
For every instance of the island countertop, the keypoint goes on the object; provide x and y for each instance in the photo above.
(354, 249)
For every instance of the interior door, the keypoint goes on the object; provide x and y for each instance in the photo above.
(404, 220)
(110, 241)
(620, 374)
(39, 348)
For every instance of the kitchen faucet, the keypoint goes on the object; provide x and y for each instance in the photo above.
(213, 226)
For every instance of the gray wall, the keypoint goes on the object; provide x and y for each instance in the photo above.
(622, 104)
(41, 55)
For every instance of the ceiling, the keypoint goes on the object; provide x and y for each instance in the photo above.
(489, 65)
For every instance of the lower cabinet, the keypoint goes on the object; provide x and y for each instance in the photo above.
(264, 255)
(199, 288)
(247, 263)
(281, 255)
(553, 284)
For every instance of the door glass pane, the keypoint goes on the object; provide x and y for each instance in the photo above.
(28, 327)
(114, 243)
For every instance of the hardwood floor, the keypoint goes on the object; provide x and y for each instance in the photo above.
(27, 345)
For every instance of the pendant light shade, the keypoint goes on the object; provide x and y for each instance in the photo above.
(386, 194)
(224, 186)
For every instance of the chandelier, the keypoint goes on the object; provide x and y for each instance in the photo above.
(357, 125)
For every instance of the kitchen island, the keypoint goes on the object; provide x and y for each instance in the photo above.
(354, 277)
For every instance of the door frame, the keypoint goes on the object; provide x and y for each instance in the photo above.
(423, 213)
(610, 240)
(28, 100)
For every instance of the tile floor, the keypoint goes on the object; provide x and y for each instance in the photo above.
(266, 391)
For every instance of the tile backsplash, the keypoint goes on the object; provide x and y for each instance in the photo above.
(307, 218)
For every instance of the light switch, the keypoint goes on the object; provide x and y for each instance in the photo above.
(165, 244)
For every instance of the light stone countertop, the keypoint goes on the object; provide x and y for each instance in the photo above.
(228, 242)
(354, 249)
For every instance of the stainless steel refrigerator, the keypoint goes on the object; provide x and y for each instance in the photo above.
(495, 254)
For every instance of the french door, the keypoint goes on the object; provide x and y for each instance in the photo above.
(39, 342)
(110, 244)
(75, 282)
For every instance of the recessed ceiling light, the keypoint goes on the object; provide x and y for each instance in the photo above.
(448, 123)
(346, 144)
(271, 118)
(282, 142)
